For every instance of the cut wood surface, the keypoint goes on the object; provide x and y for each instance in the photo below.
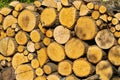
(50, 3)
(83, 10)
(5, 11)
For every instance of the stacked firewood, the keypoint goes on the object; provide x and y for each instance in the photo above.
(59, 40)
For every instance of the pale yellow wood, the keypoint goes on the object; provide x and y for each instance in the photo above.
(35, 63)
(84, 10)
(102, 9)
(5, 11)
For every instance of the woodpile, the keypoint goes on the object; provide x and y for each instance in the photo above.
(59, 40)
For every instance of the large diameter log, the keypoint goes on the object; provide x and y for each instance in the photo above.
(104, 69)
(85, 28)
(24, 72)
(27, 20)
(114, 55)
(55, 52)
(61, 34)
(74, 48)
(67, 17)
(7, 46)
(105, 39)
(48, 16)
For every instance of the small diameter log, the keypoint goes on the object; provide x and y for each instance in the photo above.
(55, 52)
(27, 22)
(37, 4)
(25, 52)
(95, 14)
(117, 34)
(42, 56)
(117, 27)
(78, 50)
(15, 13)
(96, 7)
(104, 70)
(40, 78)
(18, 59)
(24, 72)
(49, 33)
(104, 17)
(85, 28)
(30, 46)
(77, 4)
(49, 3)
(37, 46)
(82, 68)
(50, 68)
(61, 34)
(95, 54)
(21, 38)
(90, 5)
(8, 21)
(2, 34)
(5, 58)
(117, 15)
(46, 41)
(39, 71)
(54, 76)
(10, 32)
(84, 10)
(115, 78)
(102, 9)
(112, 29)
(115, 21)
(65, 68)
(5, 11)
(65, 2)
(105, 39)
(35, 63)
(7, 46)
(114, 55)
(20, 6)
(20, 48)
(67, 17)
(109, 18)
(48, 16)
(42, 29)
(59, 6)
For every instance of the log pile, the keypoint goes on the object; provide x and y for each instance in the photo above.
(59, 40)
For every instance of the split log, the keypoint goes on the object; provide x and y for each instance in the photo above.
(78, 50)
(85, 28)
(65, 67)
(118, 41)
(48, 16)
(84, 10)
(99, 22)
(30, 46)
(42, 29)
(102, 9)
(37, 4)
(67, 17)
(90, 5)
(46, 41)
(8, 21)
(61, 34)
(104, 69)
(54, 76)
(30, 56)
(115, 21)
(114, 55)
(7, 46)
(10, 32)
(31, 8)
(112, 29)
(65, 2)
(35, 63)
(28, 22)
(77, 4)
(40, 78)
(39, 71)
(109, 18)
(55, 52)
(13, 3)
(117, 15)
(5, 11)
(104, 17)
(94, 77)
(95, 14)
(49, 3)
(117, 34)
(24, 72)
(42, 56)
(82, 68)
(37, 46)
(20, 48)
(18, 59)
(20, 6)
(50, 68)
(95, 54)
(105, 39)
(21, 38)
(15, 13)
(96, 7)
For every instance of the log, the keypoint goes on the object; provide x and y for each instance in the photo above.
(114, 55)
(24, 72)
(61, 34)
(2, 34)
(55, 52)
(50, 68)
(78, 50)
(85, 28)
(37, 4)
(15, 13)
(71, 77)
(7, 46)
(31, 8)
(30, 46)
(42, 29)
(104, 17)
(40, 78)
(94, 77)
(10, 32)
(42, 56)
(115, 21)
(102, 9)
(77, 4)
(78, 69)
(117, 27)
(39, 71)
(8, 21)
(25, 52)
(34, 63)
(37, 46)
(20, 48)
(59, 6)
(1, 18)
(5, 58)
(65, 2)
(65, 68)
(99, 23)
(48, 17)
(21, 38)
(49, 3)
(20, 6)
(49, 33)
(46, 41)
(28, 22)
(18, 59)
(95, 54)
(105, 39)
(84, 10)
(65, 17)
(54, 76)
(13, 3)
(104, 70)
(5, 11)
(90, 5)
(117, 15)
(95, 14)
(31, 56)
